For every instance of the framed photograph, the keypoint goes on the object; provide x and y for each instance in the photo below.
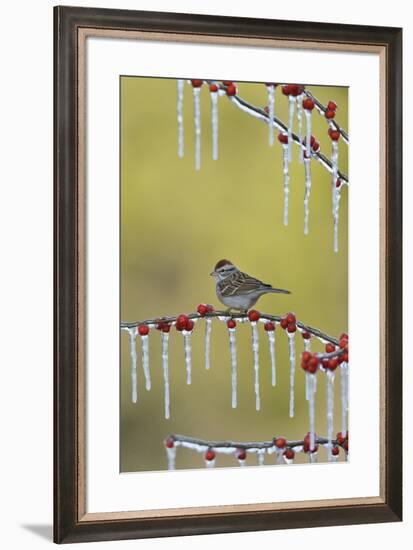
(227, 225)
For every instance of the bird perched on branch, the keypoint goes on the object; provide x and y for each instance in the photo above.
(236, 289)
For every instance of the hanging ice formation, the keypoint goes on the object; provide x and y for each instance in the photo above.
(255, 352)
(335, 183)
(270, 329)
(213, 89)
(307, 171)
(283, 139)
(133, 361)
(300, 123)
(196, 90)
(271, 112)
(291, 353)
(165, 369)
(311, 408)
(330, 409)
(145, 355)
(344, 396)
(208, 328)
(231, 324)
(180, 115)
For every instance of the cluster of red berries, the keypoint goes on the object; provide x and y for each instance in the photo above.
(315, 146)
(288, 323)
(311, 361)
(292, 89)
(342, 440)
(343, 344)
(230, 87)
(183, 322)
(280, 443)
(163, 326)
(331, 110)
(334, 134)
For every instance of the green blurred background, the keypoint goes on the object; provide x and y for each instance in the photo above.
(177, 222)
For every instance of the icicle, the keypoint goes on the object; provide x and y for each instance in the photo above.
(307, 385)
(335, 191)
(307, 344)
(197, 122)
(271, 104)
(165, 341)
(133, 361)
(260, 457)
(214, 124)
(233, 349)
(291, 351)
(308, 129)
(330, 410)
(255, 351)
(145, 361)
(171, 454)
(286, 182)
(336, 206)
(300, 123)
(312, 458)
(271, 343)
(311, 410)
(180, 116)
(307, 172)
(291, 100)
(187, 348)
(343, 395)
(208, 328)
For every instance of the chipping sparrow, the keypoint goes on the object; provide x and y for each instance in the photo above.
(236, 289)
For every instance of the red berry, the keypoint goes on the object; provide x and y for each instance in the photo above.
(231, 323)
(343, 343)
(269, 326)
(241, 454)
(289, 453)
(312, 141)
(304, 365)
(210, 455)
(280, 442)
(335, 450)
(330, 114)
(316, 147)
(227, 82)
(166, 327)
(344, 335)
(308, 104)
(213, 88)
(330, 348)
(159, 326)
(340, 438)
(282, 138)
(334, 134)
(284, 323)
(306, 335)
(231, 90)
(189, 325)
(338, 182)
(210, 308)
(292, 327)
(169, 443)
(286, 89)
(306, 446)
(254, 315)
(290, 318)
(332, 363)
(196, 83)
(202, 309)
(143, 330)
(306, 356)
(296, 89)
(345, 356)
(331, 106)
(181, 322)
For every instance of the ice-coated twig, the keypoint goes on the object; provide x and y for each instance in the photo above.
(180, 115)
(271, 345)
(187, 349)
(291, 352)
(322, 110)
(307, 171)
(300, 123)
(271, 106)
(214, 124)
(330, 409)
(255, 352)
(197, 124)
(233, 349)
(133, 362)
(208, 328)
(165, 369)
(286, 181)
(145, 361)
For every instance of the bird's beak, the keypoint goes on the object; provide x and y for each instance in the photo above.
(212, 273)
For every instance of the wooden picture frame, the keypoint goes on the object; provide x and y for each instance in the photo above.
(71, 521)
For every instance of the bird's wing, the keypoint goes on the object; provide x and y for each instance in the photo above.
(241, 283)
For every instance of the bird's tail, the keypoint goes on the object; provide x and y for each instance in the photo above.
(279, 290)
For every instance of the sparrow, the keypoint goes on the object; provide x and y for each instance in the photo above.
(236, 289)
